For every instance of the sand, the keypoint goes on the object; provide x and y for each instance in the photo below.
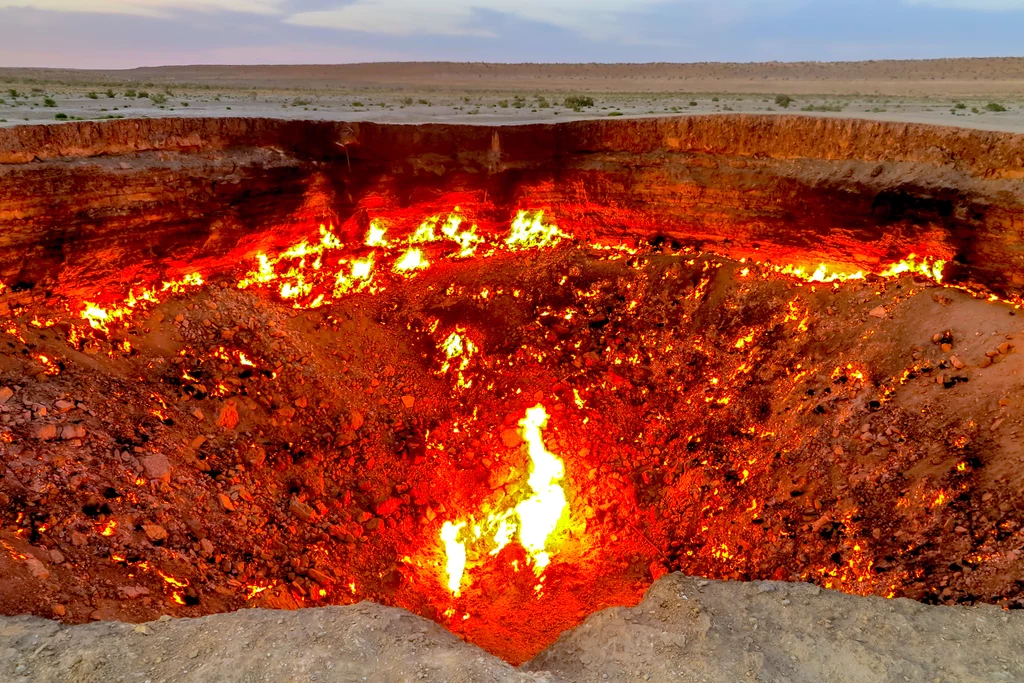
(955, 92)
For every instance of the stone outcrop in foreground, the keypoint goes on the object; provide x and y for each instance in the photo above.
(685, 629)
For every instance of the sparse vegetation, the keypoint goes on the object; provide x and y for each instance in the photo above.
(158, 98)
(49, 102)
(423, 101)
(300, 102)
(995, 106)
(542, 103)
(110, 93)
(615, 113)
(354, 104)
(822, 107)
(92, 95)
(13, 92)
(407, 101)
(783, 101)
(578, 102)
(959, 105)
(693, 103)
(60, 116)
(130, 93)
(503, 104)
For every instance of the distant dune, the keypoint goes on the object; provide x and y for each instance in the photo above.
(947, 77)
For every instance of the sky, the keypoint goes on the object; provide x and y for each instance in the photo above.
(114, 34)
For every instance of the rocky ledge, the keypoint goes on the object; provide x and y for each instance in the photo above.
(686, 629)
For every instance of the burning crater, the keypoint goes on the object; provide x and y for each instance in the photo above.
(505, 377)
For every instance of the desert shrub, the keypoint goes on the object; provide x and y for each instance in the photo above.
(503, 104)
(821, 107)
(407, 101)
(714, 99)
(693, 103)
(423, 101)
(157, 98)
(130, 93)
(783, 101)
(301, 102)
(110, 93)
(615, 113)
(995, 106)
(143, 94)
(358, 104)
(960, 105)
(577, 102)
(542, 103)
(13, 92)
(92, 96)
(49, 102)
(60, 116)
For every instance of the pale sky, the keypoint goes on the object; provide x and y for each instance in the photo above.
(129, 33)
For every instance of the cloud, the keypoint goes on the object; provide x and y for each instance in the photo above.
(591, 18)
(983, 5)
(148, 8)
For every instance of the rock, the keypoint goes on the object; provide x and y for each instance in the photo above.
(356, 420)
(878, 312)
(957, 363)
(206, 545)
(56, 556)
(5, 394)
(300, 402)
(511, 438)
(59, 610)
(319, 577)
(64, 406)
(228, 416)
(287, 412)
(155, 532)
(225, 502)
(198, 414)
(78, 539)
(132, 592)
(45, 432)
(300, 509)
(37, 568)
(156, 466)
(72, 432)
(408, 400)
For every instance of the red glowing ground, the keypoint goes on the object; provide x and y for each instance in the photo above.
(322, 421)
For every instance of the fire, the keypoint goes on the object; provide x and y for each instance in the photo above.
(455, 555)
(928, 267)
(411, 260)
(459, 350)
(539, 514)
(534, 518)
(109, 528)
(529, 231)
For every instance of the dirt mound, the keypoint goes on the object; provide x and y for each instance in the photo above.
(685, 630)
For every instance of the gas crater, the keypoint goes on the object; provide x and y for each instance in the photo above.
(504, 377)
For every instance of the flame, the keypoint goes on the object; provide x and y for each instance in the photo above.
(928, 267)
(529, 231)
(459, 350)
(375, 235)
(539, 514)
(411, 260)
(455, 555)
(109, 528)
(534, 519)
